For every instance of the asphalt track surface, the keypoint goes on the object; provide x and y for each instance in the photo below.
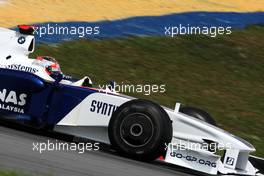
(16, 153)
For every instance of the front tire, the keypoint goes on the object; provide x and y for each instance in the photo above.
(139, 129)
(198, 114)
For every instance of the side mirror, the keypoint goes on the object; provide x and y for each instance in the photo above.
(58, 78)
(112, 85)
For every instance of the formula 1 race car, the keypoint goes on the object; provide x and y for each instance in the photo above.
(136, 128)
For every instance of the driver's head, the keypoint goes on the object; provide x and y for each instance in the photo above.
(51, 65)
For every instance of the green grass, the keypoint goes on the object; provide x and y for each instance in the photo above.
(11, 173)
(7, 172)
(223, 75)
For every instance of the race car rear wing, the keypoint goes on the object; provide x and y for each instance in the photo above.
(26, 29)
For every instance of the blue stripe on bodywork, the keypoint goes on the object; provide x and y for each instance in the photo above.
(47, 102)
(64, 99)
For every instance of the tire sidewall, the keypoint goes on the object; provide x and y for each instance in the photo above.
(162, 129)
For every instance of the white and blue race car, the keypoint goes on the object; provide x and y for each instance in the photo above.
(136, 128)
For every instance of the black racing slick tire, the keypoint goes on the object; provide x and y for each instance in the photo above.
(198, 114)
(140, 129)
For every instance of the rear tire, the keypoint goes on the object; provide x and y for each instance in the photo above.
(198, 114)
(139, 129)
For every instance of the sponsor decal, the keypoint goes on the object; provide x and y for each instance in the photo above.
(194, 159)
(20, 67)
(103, 108)
(12, 101)
(21, 40)
(230, 161)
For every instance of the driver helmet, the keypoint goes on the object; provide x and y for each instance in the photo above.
(51, 65)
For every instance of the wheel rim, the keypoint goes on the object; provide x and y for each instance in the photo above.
(136, 130)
